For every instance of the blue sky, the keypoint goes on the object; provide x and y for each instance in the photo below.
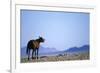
(61, 30)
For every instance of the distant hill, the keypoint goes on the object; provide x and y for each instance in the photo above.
(79, 49)
(42, 51)
(23, 51)
(45, 50)
(52, 51)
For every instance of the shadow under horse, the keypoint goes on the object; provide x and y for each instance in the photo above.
(34, 46)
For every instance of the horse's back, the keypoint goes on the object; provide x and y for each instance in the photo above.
(30, 44)
(33, 44)
(36, 44)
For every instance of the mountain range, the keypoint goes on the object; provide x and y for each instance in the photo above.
(78, 49)
(53, 51)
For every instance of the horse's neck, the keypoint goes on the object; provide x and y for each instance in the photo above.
(37, 42)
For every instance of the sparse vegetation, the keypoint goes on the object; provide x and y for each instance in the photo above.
(59, 57)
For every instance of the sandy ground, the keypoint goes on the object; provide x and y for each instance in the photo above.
(60, 57)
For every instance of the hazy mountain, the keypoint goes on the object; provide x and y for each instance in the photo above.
(42, 51)
(23, 51)
(78, 49)
(52, 51)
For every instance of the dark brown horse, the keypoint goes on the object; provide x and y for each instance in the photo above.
(34, 46)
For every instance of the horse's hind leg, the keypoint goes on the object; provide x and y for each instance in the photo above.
(29, 55)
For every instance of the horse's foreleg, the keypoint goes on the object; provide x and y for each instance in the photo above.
(32, 54)
(37, 53)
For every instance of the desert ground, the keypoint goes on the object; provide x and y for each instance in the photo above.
(59, 57)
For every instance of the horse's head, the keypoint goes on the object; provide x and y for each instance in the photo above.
(41, 39)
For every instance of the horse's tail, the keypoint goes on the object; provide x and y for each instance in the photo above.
(27, 50)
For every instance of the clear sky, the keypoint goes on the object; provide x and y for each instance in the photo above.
(61, 30)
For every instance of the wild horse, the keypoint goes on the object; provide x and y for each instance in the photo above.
(34, 46)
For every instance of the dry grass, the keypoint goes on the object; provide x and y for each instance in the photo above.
(64, 57)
